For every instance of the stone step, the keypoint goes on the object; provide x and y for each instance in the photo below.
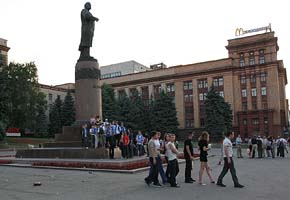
(77, 143)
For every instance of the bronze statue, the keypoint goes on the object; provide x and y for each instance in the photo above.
(88, 27)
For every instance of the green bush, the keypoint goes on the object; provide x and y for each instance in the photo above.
(2, 136)
(2, 131)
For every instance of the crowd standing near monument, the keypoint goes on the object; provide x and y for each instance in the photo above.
(112, 135)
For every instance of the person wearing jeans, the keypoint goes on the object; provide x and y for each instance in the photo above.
(228, 162)
(140, 141)
(172, 153)
(154, 154)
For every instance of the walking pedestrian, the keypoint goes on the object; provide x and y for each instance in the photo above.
(228, 162)
(204, 147)
(188, 155)
(153, 155)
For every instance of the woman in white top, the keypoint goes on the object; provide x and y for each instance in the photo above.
(166, 140)
(171, 153)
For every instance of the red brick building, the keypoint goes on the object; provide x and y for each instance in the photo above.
(251, 79)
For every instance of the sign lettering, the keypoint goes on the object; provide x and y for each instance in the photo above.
(241, 31)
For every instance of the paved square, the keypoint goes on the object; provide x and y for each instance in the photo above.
(263, 178)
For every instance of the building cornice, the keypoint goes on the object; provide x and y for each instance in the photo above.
(50, 87)
(4, 48)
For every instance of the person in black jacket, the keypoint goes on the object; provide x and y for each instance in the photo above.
(188, 156)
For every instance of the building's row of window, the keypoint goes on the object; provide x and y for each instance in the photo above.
(262, 59)
(170, 87)
(255, 121)
(189, 123)
(254, 92)
(202, 83)
(263, 78)
(3, 59)
(202, 96)
(111, 75)
(219, 81)
(254, 105)
(187, 85)
(50, 97)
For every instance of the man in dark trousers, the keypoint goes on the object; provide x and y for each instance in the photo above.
(188, 155)
(228, 162)
(85, 136)
(259, 146)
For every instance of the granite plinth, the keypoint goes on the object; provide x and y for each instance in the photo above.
(70, 137)
(69, 133)
(87, 90)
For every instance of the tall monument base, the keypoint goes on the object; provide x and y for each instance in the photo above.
(87, 90)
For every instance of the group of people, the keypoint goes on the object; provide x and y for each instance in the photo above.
(262, 147)
(98, 134)
(171, 154)
(155, 148)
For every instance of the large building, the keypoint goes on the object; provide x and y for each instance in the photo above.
(52, 92)
(252, 80)
(123, 68)
(3, 52)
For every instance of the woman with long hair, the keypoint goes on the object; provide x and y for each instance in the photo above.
(203, 147)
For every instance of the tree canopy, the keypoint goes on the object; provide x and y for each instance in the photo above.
(218, 119)
(68, 110)
(20, 88)
(159, 114)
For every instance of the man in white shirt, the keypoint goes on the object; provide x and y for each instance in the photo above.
(228, 162)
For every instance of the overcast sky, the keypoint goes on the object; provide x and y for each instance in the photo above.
(148, 31)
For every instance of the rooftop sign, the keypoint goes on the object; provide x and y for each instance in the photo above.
(240, 31)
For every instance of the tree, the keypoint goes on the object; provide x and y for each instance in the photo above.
(4, 99)
(218, 114)
(137, 115)
(68, 110)
(164, 117)
(55, 117)
(109, 103)
(41, 128)
(123, 111)
(24, 96)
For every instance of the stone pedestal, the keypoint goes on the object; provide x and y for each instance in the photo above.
(70, 137)
(87, 90)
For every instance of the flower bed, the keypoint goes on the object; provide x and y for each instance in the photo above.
(100, 165)
(122, 165)
(4, 162)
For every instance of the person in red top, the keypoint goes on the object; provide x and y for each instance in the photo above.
(125, 140)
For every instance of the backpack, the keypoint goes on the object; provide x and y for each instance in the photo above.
(281, 144)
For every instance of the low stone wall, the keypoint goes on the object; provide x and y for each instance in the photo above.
(68, 153)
